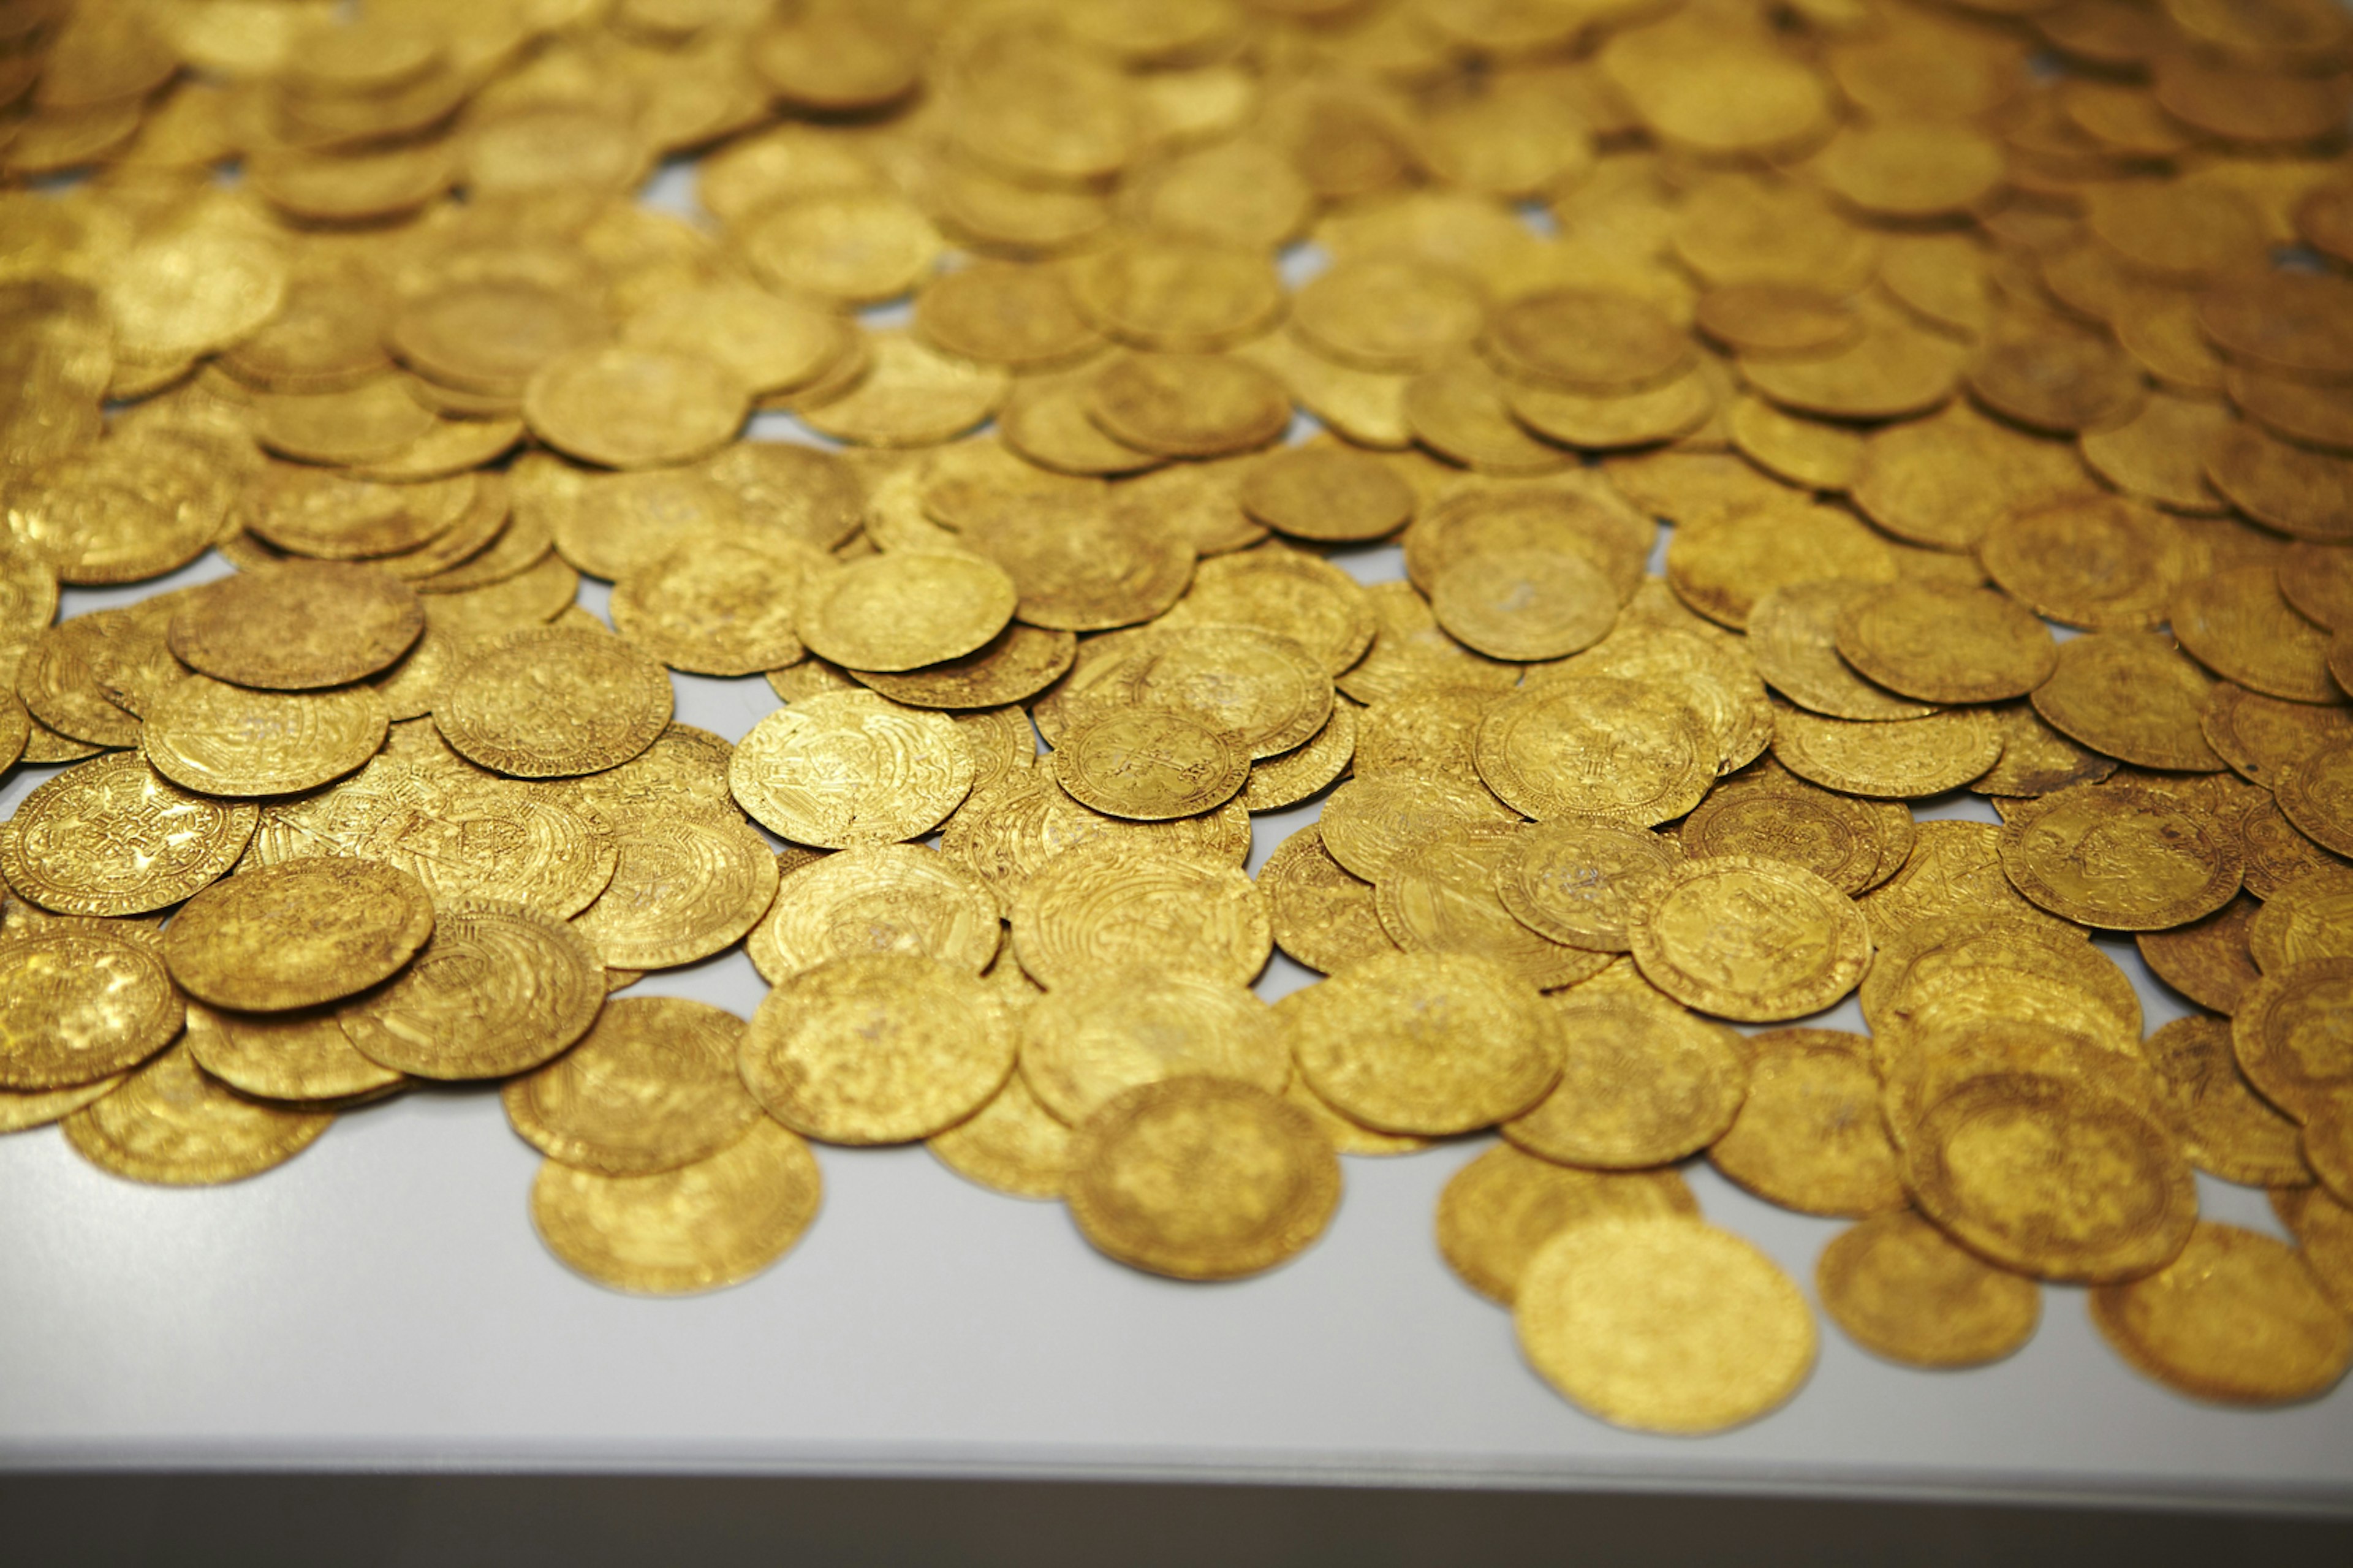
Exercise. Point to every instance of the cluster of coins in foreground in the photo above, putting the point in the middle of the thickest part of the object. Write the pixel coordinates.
(1918, 349)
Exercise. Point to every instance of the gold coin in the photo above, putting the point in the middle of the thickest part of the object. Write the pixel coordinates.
(1587, 339)
(2237, 624)
(1427, 1043)
(21, 1111)
(1289, 777)
(1808, 1136)
(878, 1049)
(1641, 1084)
(1152, 764)
(298, 626)
(713, 1223)
(1946, 644)
(1012, 1145)
(905, 610)
(1393, 313)
(1263, 687)
(1007, 834)
(2287, 1035)
(1286, 592)
(2051, 1178)
(2098, 562)
(1320, 915)
(1187, 405)
(1201, 1178)
(112, 836)
(2134, 696)
(1904, 759)
(2226, 1128)
(217, 739)
(855, 248)
(1370, 823)
(81, 1000)
(2310, 917)
(499, 990)
(2208, 960)
(1743, 937)
(1020, 317)
(172, 1125)
(1846, 842)
(716, 604)
(906, 396)
(317, 512)
(1523, 605)
(682, 889)
(299, 1055)
(2036, 759)
(1014, 666)
(1951, 951)
(1901, 1289)
(1501, 1207)
(650, 1086)
(1721, 567)
(2328, 1144)
(553, 702)
(1579, 881)
(1664, 1323)
(1441, 896)
(1596, 746)
(1086, 1042)
(1109, 906)
(849, 768)
(2235, 1318)
(2120, 857)
(891, 897)
(634, 408)
(295, 935)
(2259, 735)
(1954, 866)
(1326, 493)
(2316, 793)
(1181, 295)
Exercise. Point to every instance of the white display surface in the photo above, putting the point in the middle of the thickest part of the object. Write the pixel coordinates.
(382, 1301)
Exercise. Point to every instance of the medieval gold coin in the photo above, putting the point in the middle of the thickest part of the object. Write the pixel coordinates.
(650, 1086)
(2235, 1318)
(1748, 938)
(498, 990)
(1901, 1290)
(297, 934)
(171, 1124)
(1425, 1043)
(1503, 1207)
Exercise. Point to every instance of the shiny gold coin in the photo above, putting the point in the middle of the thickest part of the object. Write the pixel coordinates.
(1808, 1136)
(2316, 793)
(1201, 1178)
(1085, 1043)
(682, 889)
(2287, 1037)
(2259, 735)
(2235, 1318)
(223, 739)
(855, 248)
(2051, 1177)
(1187, 405)
(83, 1000)
(1096, 907)
(299, 1055)
(1905, 759)
(716, 604)
(553, 702)
(499, 990)
(1012, 1145)
(1288, 778)
(295, 935)
(1287, 592)
(634, 408)
(1370, 823)
(2119, 857)
(1946, 644)
(1579, 881)
(1321, 916)
(1426, 1042)
(1523, 605)
(2226, 1128)
(652, 1087)
(2133, 696)
(893, 897)
(299, 626)
(1901, 1289)
(2208, 960)
(878, 1049)
(2098, 562)
(1441, 896)
(906, 396)
(1500, 1209)
(112, 836)
(1642, 1084)
(2237, 624)
(849, 768)
(172, 1125)
(905, 610)
(1664, 1323)
(1327, 493)
(1152, 764)
(1014, 666)
(1851, 844)
(1748, 938)
(713, 1223)
(1596, 746)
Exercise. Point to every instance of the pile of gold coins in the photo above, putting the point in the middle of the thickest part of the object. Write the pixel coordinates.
(1926, 327)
